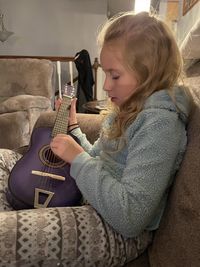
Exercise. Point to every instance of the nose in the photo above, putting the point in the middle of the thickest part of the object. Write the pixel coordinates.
(107, 85)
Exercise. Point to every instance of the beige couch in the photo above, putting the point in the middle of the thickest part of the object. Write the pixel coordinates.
(26, 89)
(176, 242)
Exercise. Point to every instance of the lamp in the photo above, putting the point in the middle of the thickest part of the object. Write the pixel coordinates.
(4, 34)
(142, 5)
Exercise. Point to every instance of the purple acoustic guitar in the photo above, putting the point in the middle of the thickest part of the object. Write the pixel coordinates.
(41, 179)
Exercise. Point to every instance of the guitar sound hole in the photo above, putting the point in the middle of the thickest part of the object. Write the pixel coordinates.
(49, 158)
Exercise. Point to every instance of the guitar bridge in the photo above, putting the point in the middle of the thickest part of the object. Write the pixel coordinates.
(51, 175)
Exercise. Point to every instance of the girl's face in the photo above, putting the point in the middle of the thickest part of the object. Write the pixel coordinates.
(120, 82)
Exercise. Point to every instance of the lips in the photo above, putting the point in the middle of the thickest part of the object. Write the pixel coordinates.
(113, 99)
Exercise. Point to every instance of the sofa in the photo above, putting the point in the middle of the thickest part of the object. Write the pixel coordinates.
(26, 90)
(175, 243)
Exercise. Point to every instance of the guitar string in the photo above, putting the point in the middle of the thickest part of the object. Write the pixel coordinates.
(50, 154)
(51, 157)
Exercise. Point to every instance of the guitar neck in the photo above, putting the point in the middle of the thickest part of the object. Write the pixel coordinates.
(62, 117)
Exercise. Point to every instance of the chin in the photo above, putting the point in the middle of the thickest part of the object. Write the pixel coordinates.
(115, 101)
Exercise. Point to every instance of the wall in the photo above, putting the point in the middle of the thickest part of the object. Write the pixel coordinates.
(116, 6)
(53, 28)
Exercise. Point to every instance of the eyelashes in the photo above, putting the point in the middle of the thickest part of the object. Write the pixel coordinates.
(115, 77)
(111, 75)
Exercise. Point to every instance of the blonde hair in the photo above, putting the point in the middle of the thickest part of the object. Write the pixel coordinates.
(149, 50)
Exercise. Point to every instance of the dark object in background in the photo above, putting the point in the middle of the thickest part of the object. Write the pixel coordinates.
(85, 79)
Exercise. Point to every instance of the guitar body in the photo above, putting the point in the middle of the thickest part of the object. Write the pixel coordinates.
(41, 179)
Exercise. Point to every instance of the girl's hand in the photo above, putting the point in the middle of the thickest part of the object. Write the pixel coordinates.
(65, 147)
(72, 113)
(58, 103)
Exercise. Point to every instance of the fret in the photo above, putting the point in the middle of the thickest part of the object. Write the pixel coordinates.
(61, 122)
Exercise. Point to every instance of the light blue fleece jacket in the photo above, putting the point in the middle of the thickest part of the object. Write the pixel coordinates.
(129, 188)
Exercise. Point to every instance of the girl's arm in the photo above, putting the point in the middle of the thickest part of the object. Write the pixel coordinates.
(129, 203)
(74, 129)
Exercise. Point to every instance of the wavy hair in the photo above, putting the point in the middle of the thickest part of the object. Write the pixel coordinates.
(150, 50)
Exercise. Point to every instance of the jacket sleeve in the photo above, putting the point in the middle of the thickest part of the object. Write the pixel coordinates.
(92, 149)
(131, 203)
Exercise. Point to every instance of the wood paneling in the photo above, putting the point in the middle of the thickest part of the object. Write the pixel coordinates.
(188, 4)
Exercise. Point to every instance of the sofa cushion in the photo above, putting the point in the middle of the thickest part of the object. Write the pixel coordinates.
(176, 242)
(25, 102)
(47, 119)
(25, 76)
(3, 98)
(141, 261)
(15, 129)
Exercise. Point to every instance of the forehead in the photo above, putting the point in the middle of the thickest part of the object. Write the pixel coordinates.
(111, 56)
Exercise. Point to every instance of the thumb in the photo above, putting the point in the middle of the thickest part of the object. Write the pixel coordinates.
(73, 103)
(58, 103)
(72, 114)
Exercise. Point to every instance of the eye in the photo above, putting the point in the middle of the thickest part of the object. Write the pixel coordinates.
(116, 77)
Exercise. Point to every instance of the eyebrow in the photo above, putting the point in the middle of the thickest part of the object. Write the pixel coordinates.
(111, 70)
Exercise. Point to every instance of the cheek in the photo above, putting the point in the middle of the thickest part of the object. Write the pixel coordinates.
(127, 90)
(132, 86)
(129, 83)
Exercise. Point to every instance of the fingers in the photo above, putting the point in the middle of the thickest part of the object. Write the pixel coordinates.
(65, 147)
(61, 140)
(73, 104)
(72, 113)
(58, 103)
(59, 144)
(62, 135)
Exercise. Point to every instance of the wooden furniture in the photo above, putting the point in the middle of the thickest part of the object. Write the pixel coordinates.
(188, 4)
(95, 66)
(94, 106)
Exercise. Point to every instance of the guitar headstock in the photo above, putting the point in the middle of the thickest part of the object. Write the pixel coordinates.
(69, 91)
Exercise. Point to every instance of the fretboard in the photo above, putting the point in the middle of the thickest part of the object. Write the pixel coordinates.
(61, 122)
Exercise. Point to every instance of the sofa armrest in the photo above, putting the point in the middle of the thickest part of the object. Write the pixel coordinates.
(89, 123)
(24, 102)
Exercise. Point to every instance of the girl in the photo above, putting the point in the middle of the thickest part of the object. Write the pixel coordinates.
(126, 175)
